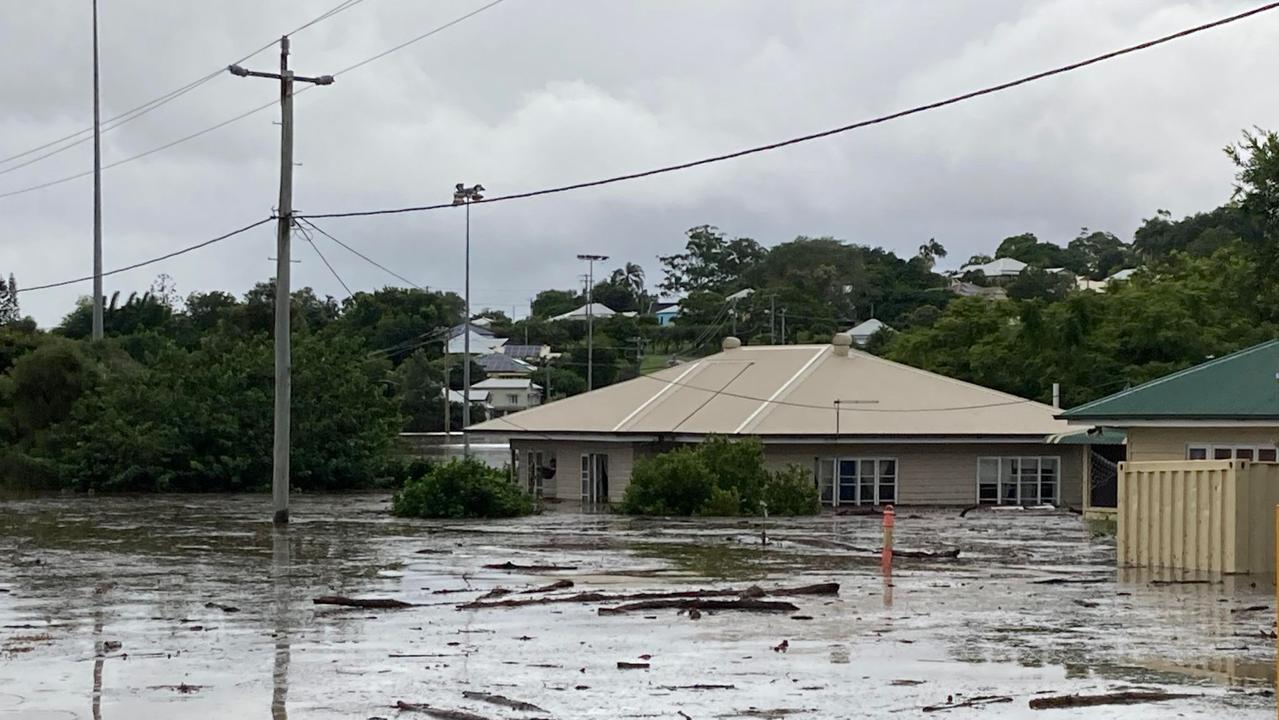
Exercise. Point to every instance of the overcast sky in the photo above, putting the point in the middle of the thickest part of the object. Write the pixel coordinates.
(534, 93)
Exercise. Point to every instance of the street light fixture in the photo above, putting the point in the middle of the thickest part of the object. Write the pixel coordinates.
(463, 195)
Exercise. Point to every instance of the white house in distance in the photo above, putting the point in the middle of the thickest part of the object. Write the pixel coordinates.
(509, 394)
(598, 310)
(997, 269)
(483, 340)
(862, 331)
(869, 431)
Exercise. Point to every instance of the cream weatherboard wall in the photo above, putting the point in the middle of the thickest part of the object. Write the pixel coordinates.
(927, 474)
(567, 483)
(1169, 443)
(942, 473)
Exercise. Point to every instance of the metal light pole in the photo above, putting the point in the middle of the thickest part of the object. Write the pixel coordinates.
(590, 317)
(463, 195)
(97, 189)
(283, 349)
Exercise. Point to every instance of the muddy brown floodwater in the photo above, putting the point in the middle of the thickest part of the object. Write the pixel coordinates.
(193, 607)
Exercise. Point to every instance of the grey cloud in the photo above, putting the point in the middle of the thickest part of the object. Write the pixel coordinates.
(534, 93)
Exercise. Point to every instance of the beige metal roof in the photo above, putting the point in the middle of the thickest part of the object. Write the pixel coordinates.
(789, 390)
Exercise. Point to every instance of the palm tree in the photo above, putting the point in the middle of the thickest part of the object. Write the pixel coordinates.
(633, 276)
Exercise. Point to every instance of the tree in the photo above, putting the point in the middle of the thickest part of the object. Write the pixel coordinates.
(931, 251)
(1035, 283)
(550, 303)
(44, 384)
(200, 420)
(9, 310)
(1098, 255)
(710, 263)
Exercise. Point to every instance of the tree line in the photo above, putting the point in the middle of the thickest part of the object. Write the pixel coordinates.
(178, 395)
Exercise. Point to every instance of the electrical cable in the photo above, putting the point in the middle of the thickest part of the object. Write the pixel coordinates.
(827, 133)
(136, 112)
(154, 260)
(349, 295)
(361, 255)
(241, 116)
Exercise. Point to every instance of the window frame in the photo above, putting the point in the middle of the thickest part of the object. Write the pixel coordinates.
(828, 470)
(1210, 450)
(1017, 467)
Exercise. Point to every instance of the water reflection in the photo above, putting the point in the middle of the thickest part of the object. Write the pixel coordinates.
(99, 657)
(281, 556)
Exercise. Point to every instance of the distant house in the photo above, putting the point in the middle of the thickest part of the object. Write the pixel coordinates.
(526, 352)
(478, 397)
(499, 364)
(997, 270)
(1084, 283)
(967, 289)
(482, 343)
(508, 395)
(599, 310)
(666, 312)
(740, 295)
(476, 328)
(862, 331)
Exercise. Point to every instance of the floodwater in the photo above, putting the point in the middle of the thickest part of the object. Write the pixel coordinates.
(193, 607)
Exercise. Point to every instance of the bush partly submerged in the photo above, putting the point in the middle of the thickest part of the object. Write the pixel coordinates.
(718, 477)
(462, 489)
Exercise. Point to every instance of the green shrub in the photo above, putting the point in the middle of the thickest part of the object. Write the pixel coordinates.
(724, 502)
(737, 464)
(462, 489)
(673, 483)
(792, 492)
(719, 477)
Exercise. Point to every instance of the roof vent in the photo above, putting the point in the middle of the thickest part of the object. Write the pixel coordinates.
(731, 343)
(840, 344)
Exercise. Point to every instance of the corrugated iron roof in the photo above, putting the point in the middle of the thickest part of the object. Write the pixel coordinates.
(1240, 386)
(501, 363)
(789, 390)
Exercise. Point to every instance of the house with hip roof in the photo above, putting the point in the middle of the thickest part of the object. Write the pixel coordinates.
(869, 431)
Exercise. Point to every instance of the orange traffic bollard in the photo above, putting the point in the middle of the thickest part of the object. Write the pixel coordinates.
(890, 519)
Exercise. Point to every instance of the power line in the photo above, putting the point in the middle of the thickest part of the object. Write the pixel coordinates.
(243, 115)
(137, 112)
(325, 260)
(423, 36)
(361, 255)
(152, 261)
(833, 131)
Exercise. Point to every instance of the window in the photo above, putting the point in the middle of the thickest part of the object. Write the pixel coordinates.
(857, 481)
(1018, 480)
(512, 399)
(1227, 451)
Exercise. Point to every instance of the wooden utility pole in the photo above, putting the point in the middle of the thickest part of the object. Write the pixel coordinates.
(97, 188)
(283, 303)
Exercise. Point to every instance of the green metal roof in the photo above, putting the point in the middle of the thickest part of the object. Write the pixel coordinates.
(1240, 386)
(1090, 436)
